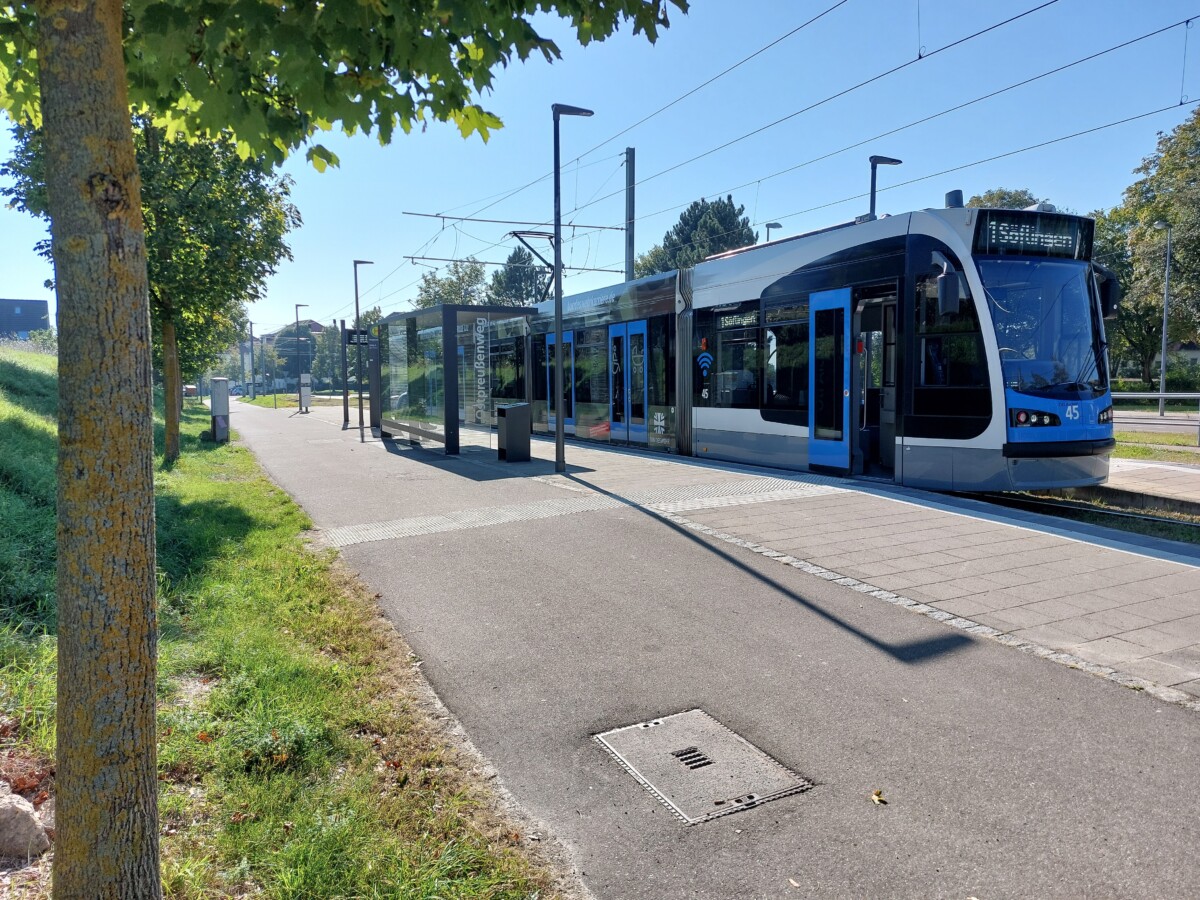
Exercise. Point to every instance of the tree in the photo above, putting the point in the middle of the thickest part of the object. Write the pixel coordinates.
(519, 283)
(653, 260)
(462, 284)
(703, 229)
(1003, 198)
(294, 348)
(274, 73)
(215, 226)
(327, 364)
(1169, 191)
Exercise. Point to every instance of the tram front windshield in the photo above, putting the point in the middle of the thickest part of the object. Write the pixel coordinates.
(1047, 327)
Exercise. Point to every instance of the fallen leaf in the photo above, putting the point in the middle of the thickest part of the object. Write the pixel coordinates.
(877, 798)
(204, 737)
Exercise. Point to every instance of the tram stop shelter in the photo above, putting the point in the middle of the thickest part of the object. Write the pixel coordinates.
(445, 369)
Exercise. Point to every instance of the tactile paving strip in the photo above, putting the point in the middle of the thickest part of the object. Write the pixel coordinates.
(667, 500)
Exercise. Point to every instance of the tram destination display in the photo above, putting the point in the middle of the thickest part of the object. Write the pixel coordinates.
(1028, 233)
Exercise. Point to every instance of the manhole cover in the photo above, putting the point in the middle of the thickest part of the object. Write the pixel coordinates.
(698, 767)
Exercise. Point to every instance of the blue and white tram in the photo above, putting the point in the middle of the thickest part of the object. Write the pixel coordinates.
(952, 349)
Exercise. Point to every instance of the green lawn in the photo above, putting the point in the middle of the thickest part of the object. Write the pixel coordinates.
(296, 757)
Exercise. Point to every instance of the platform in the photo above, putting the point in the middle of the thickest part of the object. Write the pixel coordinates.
(1121, 606)
(1152, 486)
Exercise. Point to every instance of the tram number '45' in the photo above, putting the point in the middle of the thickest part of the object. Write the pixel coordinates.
(1072, 411)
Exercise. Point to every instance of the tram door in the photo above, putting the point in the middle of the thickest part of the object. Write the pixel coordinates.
(568, 397)
(627, 381)
(829, 421)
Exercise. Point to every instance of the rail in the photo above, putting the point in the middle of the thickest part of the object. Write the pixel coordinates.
(1162, 396)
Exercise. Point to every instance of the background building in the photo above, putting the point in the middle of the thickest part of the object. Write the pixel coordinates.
(19, 317)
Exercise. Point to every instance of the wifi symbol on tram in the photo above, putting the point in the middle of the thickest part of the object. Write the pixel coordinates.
(705, 360)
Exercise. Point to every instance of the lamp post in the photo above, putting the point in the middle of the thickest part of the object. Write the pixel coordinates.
(769, 226)
(1162, 370)
(299, 365)
(362, 438)
(560, 461)
(877, 161)
(253, 393)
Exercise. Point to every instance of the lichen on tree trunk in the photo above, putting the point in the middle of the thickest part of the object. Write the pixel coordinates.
(107, 836)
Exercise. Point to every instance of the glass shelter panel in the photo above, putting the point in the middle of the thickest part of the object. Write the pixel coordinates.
(446, 368)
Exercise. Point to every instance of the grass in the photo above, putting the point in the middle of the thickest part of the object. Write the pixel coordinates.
(296, 757)
(1166, 439)
(1157, 446)
(288, 401)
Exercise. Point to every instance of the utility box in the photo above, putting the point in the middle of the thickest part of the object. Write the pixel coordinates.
(219, 407)
(305, 391)
(513, 424)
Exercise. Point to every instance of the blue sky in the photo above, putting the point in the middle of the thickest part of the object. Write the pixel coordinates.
(358, 210)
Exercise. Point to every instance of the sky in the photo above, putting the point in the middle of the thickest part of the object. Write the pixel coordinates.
(735, 98)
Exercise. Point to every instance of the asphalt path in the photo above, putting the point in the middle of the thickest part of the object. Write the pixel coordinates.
(1006, 775)
(1172, 423)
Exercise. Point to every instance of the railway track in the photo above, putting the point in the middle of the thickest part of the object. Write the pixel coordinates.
(1186, 528)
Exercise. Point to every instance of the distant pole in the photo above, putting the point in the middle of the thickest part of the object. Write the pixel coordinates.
(1162, 369)
(362, 437)
(251, 327)
(299, 359)
(630, 181)
(345, 381)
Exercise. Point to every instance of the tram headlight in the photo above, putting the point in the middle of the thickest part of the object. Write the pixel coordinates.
(1032, 418)
(1105, 416)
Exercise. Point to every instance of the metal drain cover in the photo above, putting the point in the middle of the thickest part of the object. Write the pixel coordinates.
(698, 767)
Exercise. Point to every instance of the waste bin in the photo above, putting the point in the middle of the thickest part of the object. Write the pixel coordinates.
(513, 425)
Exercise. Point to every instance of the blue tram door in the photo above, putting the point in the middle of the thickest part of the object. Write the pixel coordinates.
(829, 377)
(568, 398)
(627, 381)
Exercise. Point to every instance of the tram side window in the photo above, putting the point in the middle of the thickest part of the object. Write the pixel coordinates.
(787, 366)
(704, 369)
(661, 375)
(541, 368)
(508, 369)
(739, 369)
(591, 366)
(950, 346)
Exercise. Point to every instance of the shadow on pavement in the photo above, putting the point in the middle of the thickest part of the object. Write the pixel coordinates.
(476, 463)
(909, 652)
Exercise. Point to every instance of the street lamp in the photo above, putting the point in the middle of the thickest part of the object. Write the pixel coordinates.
(771, 225)
(362, 438)
(299, 365)
(1162, 370)
(560, 461)
(877, 161)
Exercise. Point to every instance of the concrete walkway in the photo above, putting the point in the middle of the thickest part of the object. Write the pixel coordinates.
(864, 636)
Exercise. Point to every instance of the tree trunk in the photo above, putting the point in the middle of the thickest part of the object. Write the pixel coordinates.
(172, 390)
(107, 838)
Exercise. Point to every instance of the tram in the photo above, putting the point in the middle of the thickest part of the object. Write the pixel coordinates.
(951, 349)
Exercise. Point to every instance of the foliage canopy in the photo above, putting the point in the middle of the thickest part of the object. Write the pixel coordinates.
(276, 74)
(703, 229)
